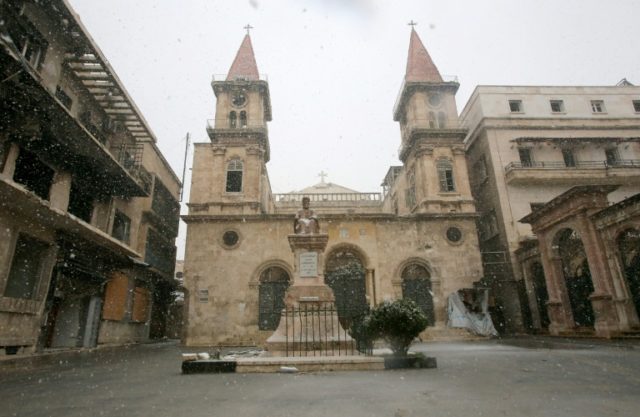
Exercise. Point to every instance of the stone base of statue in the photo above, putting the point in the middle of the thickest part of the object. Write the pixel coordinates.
(309, 323)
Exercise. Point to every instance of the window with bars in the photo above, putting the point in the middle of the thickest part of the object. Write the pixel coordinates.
(445, 176)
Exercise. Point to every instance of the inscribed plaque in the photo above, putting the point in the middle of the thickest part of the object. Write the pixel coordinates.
(309, 264)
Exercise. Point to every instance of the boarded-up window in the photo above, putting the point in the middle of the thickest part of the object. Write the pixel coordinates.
(140, 305)
(115, 297)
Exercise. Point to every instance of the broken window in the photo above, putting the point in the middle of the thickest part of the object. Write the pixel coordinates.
(63, 97)
(26, 266)
(597, 106)
(569, 158)
(34, 174)
(515, 106)
(80, 202)
(445, 176)
(612, 156)
(121, 226)
(557, 106)
(525, 157)
(234, 176)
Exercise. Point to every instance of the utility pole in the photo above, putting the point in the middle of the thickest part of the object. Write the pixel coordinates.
(184, 166)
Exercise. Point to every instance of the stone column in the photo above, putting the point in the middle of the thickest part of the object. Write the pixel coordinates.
(558, 307)
(60, 191)
(607, 321)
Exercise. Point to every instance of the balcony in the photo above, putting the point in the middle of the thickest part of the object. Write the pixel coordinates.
(588, 172)
(294, 200)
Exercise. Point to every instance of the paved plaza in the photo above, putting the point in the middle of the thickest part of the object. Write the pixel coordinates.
(513, 377)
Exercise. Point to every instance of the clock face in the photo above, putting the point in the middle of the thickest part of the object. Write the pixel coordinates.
(239, 99)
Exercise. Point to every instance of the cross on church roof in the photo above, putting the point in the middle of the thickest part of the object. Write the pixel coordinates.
(412, 24)
(322, 174)
(248, 27)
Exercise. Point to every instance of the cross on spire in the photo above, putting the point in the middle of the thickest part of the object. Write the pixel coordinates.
(322, 174)
(248, 27)
(412, 24)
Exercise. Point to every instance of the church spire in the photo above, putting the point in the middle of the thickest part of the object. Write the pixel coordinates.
(420, 67)
(244, 65)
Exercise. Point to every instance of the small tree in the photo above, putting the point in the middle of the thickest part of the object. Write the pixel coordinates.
(398, 322)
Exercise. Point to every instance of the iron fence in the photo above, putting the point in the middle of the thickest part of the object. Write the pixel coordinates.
(321, 330)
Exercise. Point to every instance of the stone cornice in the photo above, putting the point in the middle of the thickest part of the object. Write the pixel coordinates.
(230, 218)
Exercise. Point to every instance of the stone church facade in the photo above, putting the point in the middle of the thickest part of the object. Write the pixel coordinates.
(408, 241)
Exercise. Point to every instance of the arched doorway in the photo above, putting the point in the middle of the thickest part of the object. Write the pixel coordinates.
(577, 276)
(416, 286)
(540, 292)
(345, 275)
(629, 249)
(274, 282)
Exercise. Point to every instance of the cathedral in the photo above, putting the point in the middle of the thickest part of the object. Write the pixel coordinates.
(406, 242)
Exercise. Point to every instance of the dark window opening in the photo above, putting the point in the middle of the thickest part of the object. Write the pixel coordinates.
(33, 174)
(159, 253)
(442, 120)
(515, 106)
(445, 176)
(165, 205)
(416, 286)
(569, 158)
(611, 156)
(233, 120)
(243, 119)
(230, 238)
(525, 157)
(63, 97)
(234, 176)
(25, 267)
(557, 106)
(121, 227)
(4, 153)
(636, 106)
(80, 202)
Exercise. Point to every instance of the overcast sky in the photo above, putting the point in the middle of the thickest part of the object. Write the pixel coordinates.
(335, 66)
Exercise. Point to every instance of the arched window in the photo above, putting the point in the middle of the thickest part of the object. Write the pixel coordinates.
(243, 119)
(442, 120)
(345, 275)
(432, 120)
(233, 120)
(445, 176)
(274, 282)
(416, 286)
(234, 176)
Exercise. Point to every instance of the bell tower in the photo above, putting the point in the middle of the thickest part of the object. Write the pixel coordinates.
(229, 174)
(431, 149)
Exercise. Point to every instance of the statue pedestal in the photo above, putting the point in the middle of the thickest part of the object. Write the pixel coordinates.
(309, 321)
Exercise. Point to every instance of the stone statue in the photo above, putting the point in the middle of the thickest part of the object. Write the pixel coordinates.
(306, 222)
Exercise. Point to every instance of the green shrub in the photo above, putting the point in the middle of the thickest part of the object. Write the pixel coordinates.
(398, 322)
(360, 330)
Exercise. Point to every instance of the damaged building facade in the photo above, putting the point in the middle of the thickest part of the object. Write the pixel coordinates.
(452, 217)
(89, 207)
(406, 242)
(527, 147)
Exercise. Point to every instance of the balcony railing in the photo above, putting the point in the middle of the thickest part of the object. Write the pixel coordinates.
(329, 197)
(620, 163)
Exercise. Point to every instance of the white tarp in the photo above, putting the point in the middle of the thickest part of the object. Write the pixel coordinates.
(461, 317)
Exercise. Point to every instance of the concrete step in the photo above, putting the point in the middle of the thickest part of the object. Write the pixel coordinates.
(310, 364)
